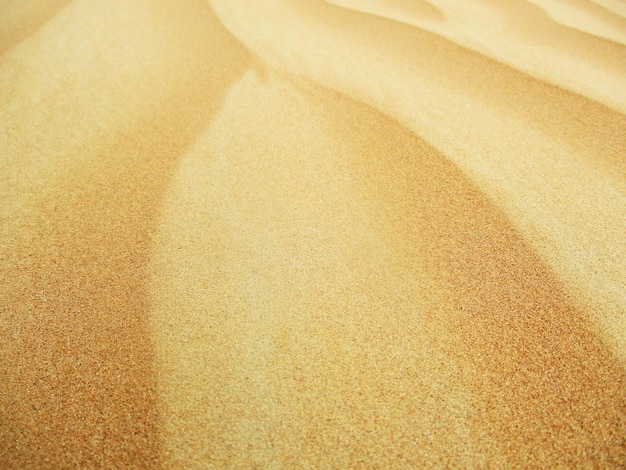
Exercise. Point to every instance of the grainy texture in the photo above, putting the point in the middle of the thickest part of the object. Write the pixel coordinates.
(307, 234)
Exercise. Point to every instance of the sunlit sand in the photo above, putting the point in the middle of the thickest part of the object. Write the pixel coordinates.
(308, 234)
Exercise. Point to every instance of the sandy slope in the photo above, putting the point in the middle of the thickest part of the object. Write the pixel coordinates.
(20, 18)
(496, 124)
(312, 234)
(99, 104)
(522, 35)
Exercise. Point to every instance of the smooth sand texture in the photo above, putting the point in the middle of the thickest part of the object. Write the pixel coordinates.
(306, 234)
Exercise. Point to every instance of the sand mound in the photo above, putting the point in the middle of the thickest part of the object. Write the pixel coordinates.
(341, 234)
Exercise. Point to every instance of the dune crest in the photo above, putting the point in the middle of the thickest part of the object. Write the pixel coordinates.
(586, 16)
(616, 6)
(398, 10)
(333, 333)
(19, 19)
(312, 234)
(526, 170)
(521, 35)
(96, 108)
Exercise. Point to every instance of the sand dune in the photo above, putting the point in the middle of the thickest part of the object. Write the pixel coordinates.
(528, 40)
(436, 102)
(308, 234)
(614, 6)
(588, 17)
(20, 18)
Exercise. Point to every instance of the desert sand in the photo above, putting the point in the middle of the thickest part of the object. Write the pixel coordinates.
(312, 234)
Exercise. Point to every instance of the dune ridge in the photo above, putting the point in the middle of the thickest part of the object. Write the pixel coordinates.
(587, 16)
(18, 19)
(520, 186)
(615, 6)
(521, 29)
(312, 291)
(312, 234)
(99, 104)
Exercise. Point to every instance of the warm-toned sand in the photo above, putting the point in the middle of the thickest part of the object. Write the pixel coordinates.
(307, 234)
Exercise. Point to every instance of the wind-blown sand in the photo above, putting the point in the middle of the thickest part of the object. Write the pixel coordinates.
(307, 234)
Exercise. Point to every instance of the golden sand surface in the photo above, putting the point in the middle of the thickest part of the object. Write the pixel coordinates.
(312, 234)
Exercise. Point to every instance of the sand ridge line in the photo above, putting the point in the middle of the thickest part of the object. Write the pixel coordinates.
(398, 10)
(281, 285)
(615, 6)
(530, 174)
(202, 268)
(19, 20)
(324, 288)
(587, 16)
(78, 364)
(568, 58)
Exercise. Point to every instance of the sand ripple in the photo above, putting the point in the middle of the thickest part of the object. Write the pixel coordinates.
(384, 233)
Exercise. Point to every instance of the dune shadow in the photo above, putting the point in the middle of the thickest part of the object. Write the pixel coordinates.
(548, 387)
(79, 386)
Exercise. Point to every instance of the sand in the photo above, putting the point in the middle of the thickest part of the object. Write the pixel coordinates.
(307, 234)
